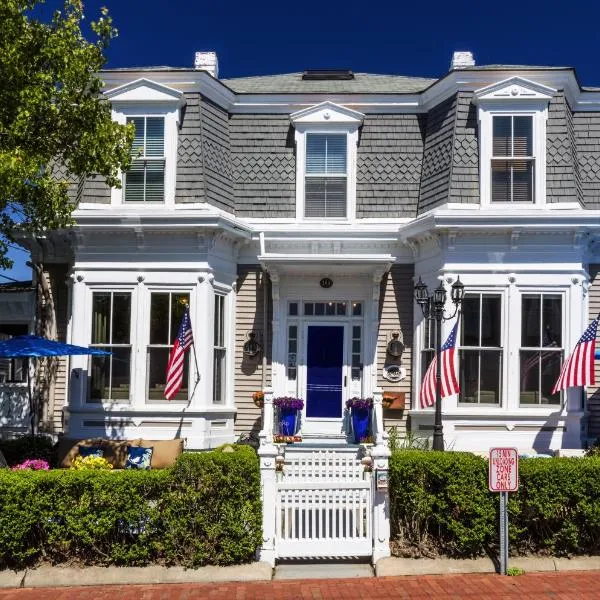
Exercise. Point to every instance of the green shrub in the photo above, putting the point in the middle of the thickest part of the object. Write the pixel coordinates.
(19, 449)
(440, 504)
(205, 510)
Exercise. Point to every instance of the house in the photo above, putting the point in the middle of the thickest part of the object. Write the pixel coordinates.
(294, 213)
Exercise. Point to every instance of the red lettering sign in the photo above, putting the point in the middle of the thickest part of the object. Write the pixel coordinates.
(504, 470)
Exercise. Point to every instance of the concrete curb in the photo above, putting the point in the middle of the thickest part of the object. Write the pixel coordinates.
(393, 567)
(11, 579)
(68, 576)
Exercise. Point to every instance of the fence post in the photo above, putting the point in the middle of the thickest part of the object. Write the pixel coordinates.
(267, 452)
(380, 454)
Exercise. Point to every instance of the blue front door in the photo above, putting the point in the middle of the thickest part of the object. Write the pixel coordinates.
(324, 363)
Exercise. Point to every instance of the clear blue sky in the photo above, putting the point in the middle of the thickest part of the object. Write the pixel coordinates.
(407, 38)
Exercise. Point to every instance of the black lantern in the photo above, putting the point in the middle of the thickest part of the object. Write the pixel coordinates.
(458, 291)
(421, 293)
(439, 296)
(251, 347)
(395, 347)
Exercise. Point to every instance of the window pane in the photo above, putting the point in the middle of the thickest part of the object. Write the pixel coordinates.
(522, 180)
(530, 321)
(101, 318)
(530, 377)
(501, 178)
(316, 149)
(341, 308)
(121, 369)
(550, 364)
(159, 319)
(502, 135)
(219, 372)
(552, 321)
(319, 309)
(158, 359)
(491, 368)
(178, 304)
(336, 153)
(325, 197)
(134, 182)
(308, 309)
(522, 136)
(219, 325)
(100, 378)
(330, 308)
(293, 309)
(469, 375)
(470, 321)
(356, 309)
(155, 135)
(137, 149)
(490, 320)
(155, 181)
(121, 318)
(325, 153)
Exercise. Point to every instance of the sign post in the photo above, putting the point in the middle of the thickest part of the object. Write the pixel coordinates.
(503, 478)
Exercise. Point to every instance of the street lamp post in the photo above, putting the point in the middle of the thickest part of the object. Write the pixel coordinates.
(432, 306)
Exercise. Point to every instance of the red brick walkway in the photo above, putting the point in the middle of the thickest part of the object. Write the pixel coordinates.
(558, 586)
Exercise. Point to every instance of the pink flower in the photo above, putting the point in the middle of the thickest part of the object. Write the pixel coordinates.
(32, 464)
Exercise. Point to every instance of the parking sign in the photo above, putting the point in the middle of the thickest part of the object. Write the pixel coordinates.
(504, 470)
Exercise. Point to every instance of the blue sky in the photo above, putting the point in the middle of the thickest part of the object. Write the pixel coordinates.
(406, 38)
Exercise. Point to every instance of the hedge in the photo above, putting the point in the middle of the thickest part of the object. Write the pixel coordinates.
(205, 510)
(440, 504)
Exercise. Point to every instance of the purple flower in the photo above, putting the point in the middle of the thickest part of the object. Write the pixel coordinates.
(360, 403)
(289, 402)
(32, 464)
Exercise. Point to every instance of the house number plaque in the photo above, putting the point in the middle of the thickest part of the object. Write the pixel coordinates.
(326, 282)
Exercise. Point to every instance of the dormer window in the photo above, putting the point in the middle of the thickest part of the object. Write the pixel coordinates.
(326, 182)
(145, 180)
(326, 142)
(512, 159)
(512, 142)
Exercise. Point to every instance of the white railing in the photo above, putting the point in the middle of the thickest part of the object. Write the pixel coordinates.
(323, 465)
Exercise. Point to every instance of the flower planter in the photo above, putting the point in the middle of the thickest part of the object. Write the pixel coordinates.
(360, 423)
(287, 420)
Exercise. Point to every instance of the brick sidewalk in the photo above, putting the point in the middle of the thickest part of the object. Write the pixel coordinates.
(573, 585)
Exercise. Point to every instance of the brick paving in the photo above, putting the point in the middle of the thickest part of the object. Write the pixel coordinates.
(572, 585)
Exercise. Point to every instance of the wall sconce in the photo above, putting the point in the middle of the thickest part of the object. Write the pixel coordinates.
(395, 346)
(251, 346)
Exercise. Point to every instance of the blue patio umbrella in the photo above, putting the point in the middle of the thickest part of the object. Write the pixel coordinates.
(33, 346)
(597, 354)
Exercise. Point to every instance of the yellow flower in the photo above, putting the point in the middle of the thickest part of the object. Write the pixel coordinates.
(97, 463)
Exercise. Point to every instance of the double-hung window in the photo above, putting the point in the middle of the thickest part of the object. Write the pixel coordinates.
(145, 180)
(512, 159)
(480, 352)
(541, 348)
(219, 351)
(13, 370)
(111, 324)
(326, 176)
(166, 312)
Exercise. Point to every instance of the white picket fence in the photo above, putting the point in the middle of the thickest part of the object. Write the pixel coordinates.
(324, 506)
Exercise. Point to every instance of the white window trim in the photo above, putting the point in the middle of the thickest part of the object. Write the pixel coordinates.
(513, 97)
(145, 98)
(327, 118)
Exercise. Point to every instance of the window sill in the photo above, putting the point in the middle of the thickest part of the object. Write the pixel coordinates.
(157, 408)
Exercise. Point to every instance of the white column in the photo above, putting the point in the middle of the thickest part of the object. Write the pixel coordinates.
(203, 324)
(268, 453)
(80, 336)
(381, 506)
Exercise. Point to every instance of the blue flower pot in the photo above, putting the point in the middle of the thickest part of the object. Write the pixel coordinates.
(287, 421)
(360, 423)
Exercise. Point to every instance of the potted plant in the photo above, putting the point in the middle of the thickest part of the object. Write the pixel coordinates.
(360, 410)
(259, 399)
(288, 413)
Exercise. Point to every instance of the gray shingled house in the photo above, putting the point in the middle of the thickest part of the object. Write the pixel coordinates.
(295, 213)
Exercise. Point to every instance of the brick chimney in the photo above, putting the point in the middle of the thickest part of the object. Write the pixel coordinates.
(207, 61)
(462, 60)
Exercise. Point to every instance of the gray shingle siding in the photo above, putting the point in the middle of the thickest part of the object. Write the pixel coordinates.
(389, 159)
(437, 155)
(93, 190)
(587, 132)
(189, 186)
(561, 165)
(216, 156)
(464, 176)
(263, 166)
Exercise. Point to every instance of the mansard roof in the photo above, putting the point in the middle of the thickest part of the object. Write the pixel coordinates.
(363, 83)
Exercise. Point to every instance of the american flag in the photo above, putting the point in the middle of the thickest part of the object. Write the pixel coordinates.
(182, 343)
(578, 369)
(449, 382)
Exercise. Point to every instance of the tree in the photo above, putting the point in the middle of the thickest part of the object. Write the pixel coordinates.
(55, 127)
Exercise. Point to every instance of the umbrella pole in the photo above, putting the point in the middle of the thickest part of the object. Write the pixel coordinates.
(30, 393)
